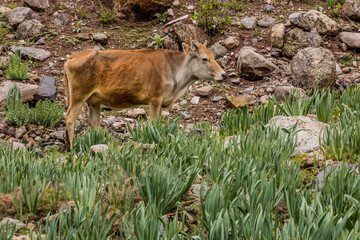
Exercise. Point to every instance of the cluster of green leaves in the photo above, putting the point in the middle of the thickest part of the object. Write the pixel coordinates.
(157, 42)
(16, 69)
(212, 16)
(162, 17)
(107, 16)
(45, 113)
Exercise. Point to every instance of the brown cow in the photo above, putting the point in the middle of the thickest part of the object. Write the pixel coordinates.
(122, 79)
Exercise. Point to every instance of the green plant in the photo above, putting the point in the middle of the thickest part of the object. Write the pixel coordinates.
(12, 5)
(347, 60)
(15, 69)
(212, 16)
(325, 105)
(7, 232)
(296, 104)
(47, 113)
(91, 137)
(50, 34)
(83, 13)
(257, 32)
(236, 121)
(17, 113)
(73, 41)
(162, 17)
(32, 192)
(157, 43)
(107, 16)
(78, 27)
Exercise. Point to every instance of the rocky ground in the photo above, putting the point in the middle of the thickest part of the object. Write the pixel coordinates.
(264, 50)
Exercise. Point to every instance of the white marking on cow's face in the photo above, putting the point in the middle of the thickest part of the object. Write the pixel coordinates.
(203, 65)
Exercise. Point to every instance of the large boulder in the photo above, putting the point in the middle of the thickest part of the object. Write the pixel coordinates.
(352, 40)
(298, 39)
(308, 137)
(143, 9)
(351, 9)
(38, 5)
(252, 65)
(18, 15)
(171, 44)
(218, 50)
(187, 32)
(314, 19)
(30, 29)
(314, 68)
(277, 35)
(27, 91)
(31, 52)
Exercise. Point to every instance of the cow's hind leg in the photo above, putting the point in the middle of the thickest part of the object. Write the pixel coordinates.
(155, 108)
(94, 114)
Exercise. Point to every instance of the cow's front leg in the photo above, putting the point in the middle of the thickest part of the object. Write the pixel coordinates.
(155, 108)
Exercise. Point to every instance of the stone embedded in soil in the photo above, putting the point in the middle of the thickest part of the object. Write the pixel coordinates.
(59, 135)
(185, 115)
(134, 113)
(183, 102)
(100, 37)
(99, 148)
(37, 5)
(266, 22)
(231, 42)
(47, 88)
(17, 145)
(252, 65)
(195, 100)
(61, 20)
(298, 39)
(282, 92)
(314, 68)
(352, 40)
(204, 91)
(12, 222)
(18, 15)
(218, 50)
(351, 8)
(277, 35)
(5, 10)
(19, 132)
(249, 22)
(30, 29)
(217, 98)
(83, 36)
(171, 44)
(314, 19)
(240, 101)
(27, 91)
(31, 52)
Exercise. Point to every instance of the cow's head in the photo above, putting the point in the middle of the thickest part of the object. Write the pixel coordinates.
(203, 64)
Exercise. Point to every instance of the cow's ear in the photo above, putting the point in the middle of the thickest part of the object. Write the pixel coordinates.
(186, 48)
(195, 45)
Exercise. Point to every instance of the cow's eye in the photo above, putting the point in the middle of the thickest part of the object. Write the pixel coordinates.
(205, 59)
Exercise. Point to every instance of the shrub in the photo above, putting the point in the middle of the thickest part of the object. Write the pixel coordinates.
(162, 17)
(325, 105)
(17, 113)
(212, 16)
(91, 137)
(236, 121)
(296, 105)
(157, 43)
(47, 114)
(107, 16)
(15, 69)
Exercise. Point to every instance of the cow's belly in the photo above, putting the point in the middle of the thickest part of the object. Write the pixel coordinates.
(118, 100)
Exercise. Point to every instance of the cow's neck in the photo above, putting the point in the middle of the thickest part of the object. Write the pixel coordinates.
(183, 77)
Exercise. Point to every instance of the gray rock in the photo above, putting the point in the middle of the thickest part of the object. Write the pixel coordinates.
(38, 5)
(195, 100)
(252, 65)
(298, 39)
(235, 80)
(17, 145)
(18, 15)
(218, 50)
(217, 99)
(266, 22)
(30, 29)
(185, 115)
(314, 68)
(338, 69)
(277, 35)
(99, 148)
(100, 37)
(308, 137)
(134, 113)
(351, 8)
(183, 103)
(171, 44)
(19, 132)
(195, 189)
(240, 101)
(59, 135)
(249, 22)
(352, 40)
(319, 179)
(204, 91)
(283, 92)
(269, 8)
(61, 20)
(314, 19)
(12, 222)
(47, 88)
(231, 42)
(41, 41)
(31, 52)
